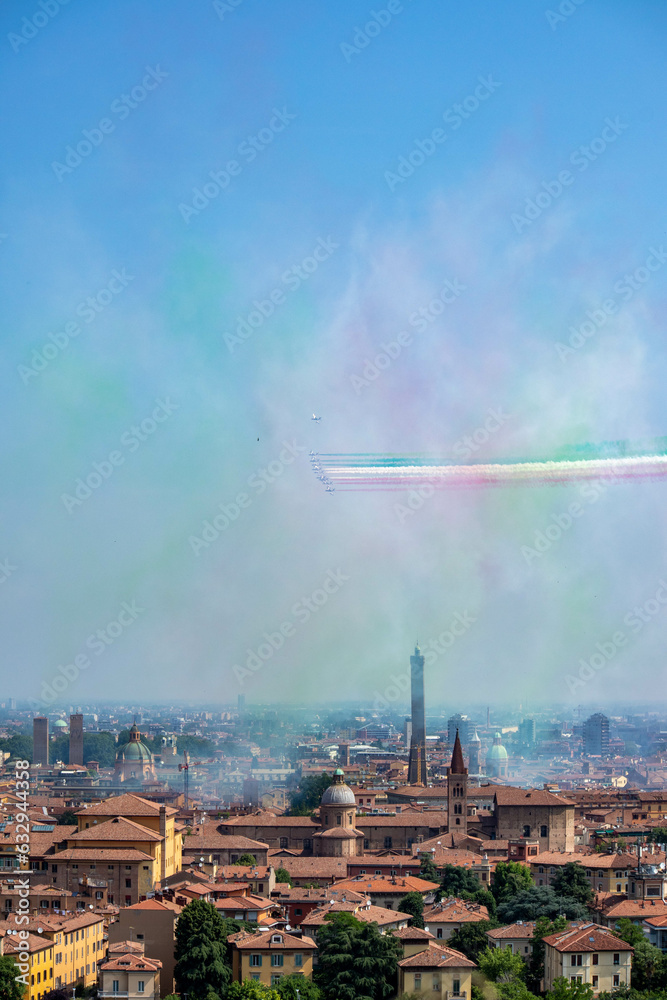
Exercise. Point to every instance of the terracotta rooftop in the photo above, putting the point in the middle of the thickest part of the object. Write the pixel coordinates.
(437, 957)
(125, 805)
(590, 937)
(101, 854)
(246, 940)
(118, 828)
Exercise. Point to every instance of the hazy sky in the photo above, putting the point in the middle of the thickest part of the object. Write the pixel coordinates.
(213, 216)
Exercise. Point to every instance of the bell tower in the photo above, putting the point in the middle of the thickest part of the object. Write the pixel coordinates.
(457, 791)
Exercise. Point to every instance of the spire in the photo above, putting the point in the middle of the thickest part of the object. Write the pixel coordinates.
(457, 766)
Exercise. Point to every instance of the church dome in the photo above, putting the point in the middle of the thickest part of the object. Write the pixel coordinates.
(134, 749)
(338, 793)
(497, 753)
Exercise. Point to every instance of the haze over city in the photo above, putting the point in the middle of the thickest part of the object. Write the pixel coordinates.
(219, 222)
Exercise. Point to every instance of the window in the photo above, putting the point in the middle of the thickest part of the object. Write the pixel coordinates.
(338, 819)
(275, 979)
(438, 932)
(575, 979)
(418, 981)
(128, 883)
(617, 980)
(110, 868)
(436, 982)
(596, 959)
(307, 844)
(256, 961)
(276, 961)
(456, 986)
(575, 959)
(298, 911)
(367, 844)
(298, 960)
(617, 958)
(387, 842)
(255, 976)
(618, 887)
(54, 868)
(75, 868)
(283, 841)
(128, 901)
(115, 986)
(541, 869)
(140, 986)
(526, 831)
(378, 871)
(595, 981)
(543, 831)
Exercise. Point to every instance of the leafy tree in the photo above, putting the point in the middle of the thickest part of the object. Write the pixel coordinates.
(56, 995)
(356, 960)
(428, 870)
(413, 903)
(308, 795)
(510, 877)
(10, 988)
(202, 953)
(500, 965)
(297, 988)
(461, 882)
(629, 932)
(571, 880)
(648, 967)
(562, 989)
(19, 746)
(282, 875)
(471, 938)
(251, 990)
(247, 859)
(540, 901)
(68, 818)
(658, 835)
(543, 928)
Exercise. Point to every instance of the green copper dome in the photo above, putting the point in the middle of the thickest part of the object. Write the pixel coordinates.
(134, 749)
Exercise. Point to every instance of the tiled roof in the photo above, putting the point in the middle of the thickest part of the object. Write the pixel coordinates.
(368, 914)
(212, 840)
(400, 884)
(412, 934)
(247, 941)
(34, 942)
(591, 937)
(244, 903)
(125, 805)
(513, 931)
(284, 894)
(129, 962)
(437, 957)
(597, 861)
(264, 819)
(455, 911)
(117, 829)
(101, 854)
(507, 795)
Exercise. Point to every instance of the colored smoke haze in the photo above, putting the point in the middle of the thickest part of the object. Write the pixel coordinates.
(615, 460)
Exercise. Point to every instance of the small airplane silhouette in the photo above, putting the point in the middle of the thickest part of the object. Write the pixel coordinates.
(315, 418)
(313, 453)
(330, 489)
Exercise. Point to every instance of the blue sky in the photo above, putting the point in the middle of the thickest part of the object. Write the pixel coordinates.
(332, 126)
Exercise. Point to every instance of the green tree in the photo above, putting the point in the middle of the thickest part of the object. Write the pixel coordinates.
(500, 965)
(68, 818)
(629, 932)
(282, 875)
(202, 953)
(10, 988)
(543, 928)
(297, 988)
(308, 795)
(510, 877)
(356, 960)
(19, 746)
(540, 901)
(413, 903)
(464, 884)
(251, 990)
(428, 870)
(572, 881)
(561, 989)
(658, 835)
(471, 938)
(648, 967)
(247, 859)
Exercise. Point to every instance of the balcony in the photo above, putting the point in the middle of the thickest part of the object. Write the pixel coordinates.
(448, 995)
(115, 993)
